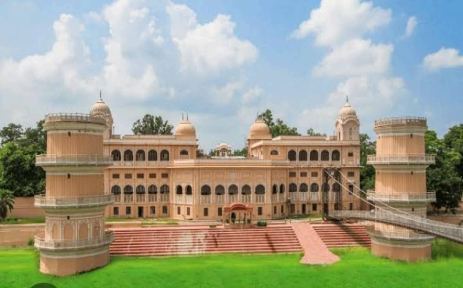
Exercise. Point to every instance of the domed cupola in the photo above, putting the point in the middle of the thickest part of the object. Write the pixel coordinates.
(348, 124)
(100, 108)
(185, 129)
(347, 110)
(259, 130)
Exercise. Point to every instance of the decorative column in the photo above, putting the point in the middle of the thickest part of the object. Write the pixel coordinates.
(400, 163)
(75, 239)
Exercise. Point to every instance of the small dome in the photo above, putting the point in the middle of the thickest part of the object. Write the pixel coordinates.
(185, 130)
(347, 110)
(259, 130)
(100, 108)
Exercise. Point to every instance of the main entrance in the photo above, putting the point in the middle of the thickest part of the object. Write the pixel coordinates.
(238, 215)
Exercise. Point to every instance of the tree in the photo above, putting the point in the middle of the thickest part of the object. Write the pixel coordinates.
(278, 127)
(241, 152)
(311, 132)
(11, 133)
(152, 125)
(6, 203)
(367, 172)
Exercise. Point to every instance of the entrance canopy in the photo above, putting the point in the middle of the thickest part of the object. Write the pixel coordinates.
(238, 206)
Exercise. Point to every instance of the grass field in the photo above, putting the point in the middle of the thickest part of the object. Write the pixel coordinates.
(357, 268)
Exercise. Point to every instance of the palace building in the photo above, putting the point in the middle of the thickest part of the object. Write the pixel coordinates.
(156, 176)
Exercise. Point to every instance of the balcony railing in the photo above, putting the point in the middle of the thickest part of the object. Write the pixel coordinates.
(205, 199)
(41, 243)
(51, 202)
(314, 196)
(73, 117)
(260, 198)
(232, 198)
(73, 160)
(406, 120)
(246, 198)
(424, 159)
(219, 199)
(402, 197)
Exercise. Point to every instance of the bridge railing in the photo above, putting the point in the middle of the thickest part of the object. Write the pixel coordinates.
(449, 231)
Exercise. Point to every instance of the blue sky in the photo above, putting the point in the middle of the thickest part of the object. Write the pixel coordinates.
(224, 61)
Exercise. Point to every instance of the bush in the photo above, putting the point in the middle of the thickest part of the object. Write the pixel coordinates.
(212, 226)
(30, 242)
(262, 223)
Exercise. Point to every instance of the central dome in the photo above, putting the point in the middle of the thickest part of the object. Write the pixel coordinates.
(100, 108)
(259, 130)
(347, 110)
(185, 130)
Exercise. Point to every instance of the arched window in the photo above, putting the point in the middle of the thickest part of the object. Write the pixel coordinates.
(152, 189)
(274, 189)
(206, 190)
(314, 187)
(292, 187)
(302, 155)
(303, 188)
(164, 155)
(140, 189)
(140, 156)
(219, 190)
(246, 190)
(179, 190)
(336, 187)
(325, 187)
(282, 188)
(274, 152)
(165, 189)
(128, 189)
(152, 155)
(116, 155)
(314, 155)
(128, 155)
(292, 155)
(183, 153)
(188, 190)
(325, 156)
(116, 190)
(335, 156)
(233, 189)
(260, 189)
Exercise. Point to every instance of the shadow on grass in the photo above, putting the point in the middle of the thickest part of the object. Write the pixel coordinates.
(446, 249)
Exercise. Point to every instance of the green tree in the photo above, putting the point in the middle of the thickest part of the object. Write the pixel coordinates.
(11, 133)
(6, 203)
(277, 127)
(367, 172)
(241, 152)
(152, 125)
(311, 132)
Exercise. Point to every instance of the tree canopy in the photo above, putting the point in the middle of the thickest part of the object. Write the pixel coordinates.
(18, 172)
(367, 172)
(152, 125)
(311, 132)
(277, 127)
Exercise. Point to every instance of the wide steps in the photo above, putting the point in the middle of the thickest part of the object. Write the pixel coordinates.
(334, 235)
(187, 241)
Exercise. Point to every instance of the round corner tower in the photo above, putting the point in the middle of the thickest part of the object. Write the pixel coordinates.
(75, 239)
(400, 183)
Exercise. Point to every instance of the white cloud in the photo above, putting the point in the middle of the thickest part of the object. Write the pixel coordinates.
(223, 95)
(356, 57)
(337, 21)
(252, 95)
(411, 25)
(211, 47)
(444, 58)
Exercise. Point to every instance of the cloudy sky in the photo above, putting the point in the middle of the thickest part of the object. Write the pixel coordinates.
(222, 62)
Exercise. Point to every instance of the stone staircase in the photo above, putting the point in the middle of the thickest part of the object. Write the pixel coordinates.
(165, 241)
(343, 235)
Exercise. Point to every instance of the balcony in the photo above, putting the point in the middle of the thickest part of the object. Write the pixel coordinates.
(260, 199)
(314, 196)
(205, 199)
(421, 159)
(128, 198)
(43, 201)
(43, 244)
(402, 197)
(73, 160)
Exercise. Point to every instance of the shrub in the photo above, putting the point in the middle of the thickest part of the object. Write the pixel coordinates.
(262, 223)
(212, 226)
(30, 242)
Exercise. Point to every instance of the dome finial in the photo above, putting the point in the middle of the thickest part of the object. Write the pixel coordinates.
(187, 117)
(347, 98)
(101, 98)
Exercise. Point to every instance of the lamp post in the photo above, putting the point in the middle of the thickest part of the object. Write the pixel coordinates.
(288, 201)
(329, 172)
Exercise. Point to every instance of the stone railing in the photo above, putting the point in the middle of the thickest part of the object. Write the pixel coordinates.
(73, 160)
(405, 120)
(73, 117)
(44, 201)
(402, 197)
(436, 228)
(41, 243)
(424, 159)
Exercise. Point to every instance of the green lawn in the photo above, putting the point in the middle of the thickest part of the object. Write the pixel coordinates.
(356, 269)
(23, 221)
